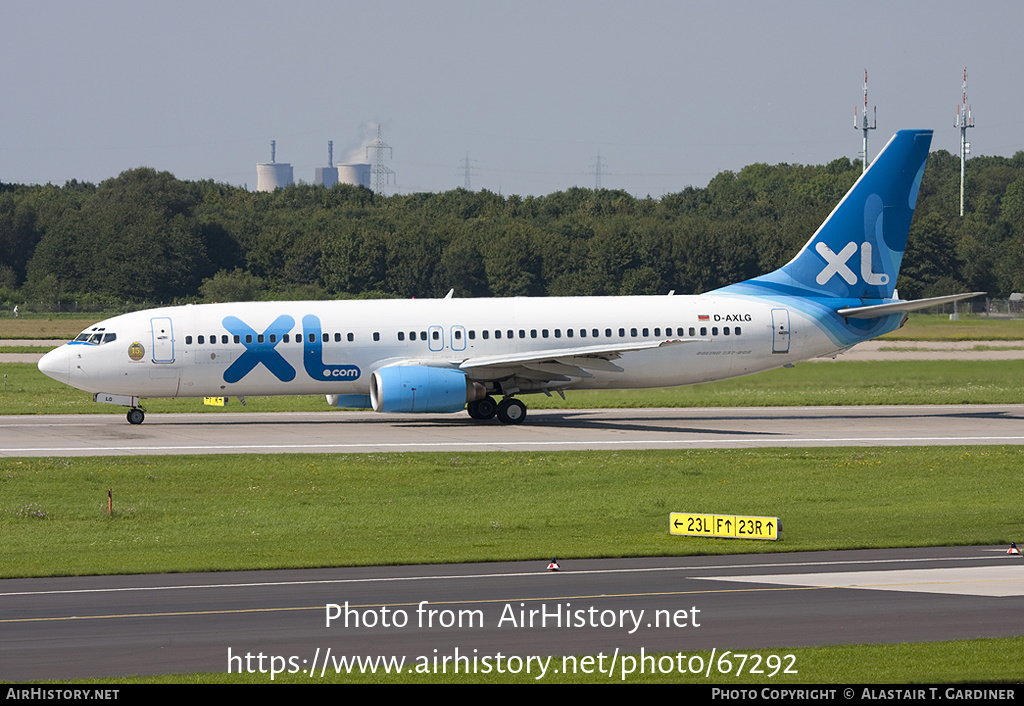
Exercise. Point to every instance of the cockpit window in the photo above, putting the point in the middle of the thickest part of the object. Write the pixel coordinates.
(95, 337)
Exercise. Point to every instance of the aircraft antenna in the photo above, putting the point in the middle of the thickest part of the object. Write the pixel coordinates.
(864, 121)
(381, 174)
(964, 120)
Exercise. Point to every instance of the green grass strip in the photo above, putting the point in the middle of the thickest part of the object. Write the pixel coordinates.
(208, 513)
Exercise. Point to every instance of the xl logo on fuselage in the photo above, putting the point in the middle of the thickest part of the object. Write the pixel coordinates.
(837, 264)
(261, 348)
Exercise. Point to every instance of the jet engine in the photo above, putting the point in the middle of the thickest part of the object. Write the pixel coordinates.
(421, 388)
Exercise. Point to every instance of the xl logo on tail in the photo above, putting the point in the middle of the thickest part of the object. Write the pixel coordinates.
(837, 265)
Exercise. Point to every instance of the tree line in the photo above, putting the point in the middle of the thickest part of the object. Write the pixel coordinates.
(146, 238)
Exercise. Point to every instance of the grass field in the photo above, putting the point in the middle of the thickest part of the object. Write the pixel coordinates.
(198, 513)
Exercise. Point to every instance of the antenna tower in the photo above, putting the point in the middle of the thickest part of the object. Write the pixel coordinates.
(964, 120)
(599, 164)
(467, 166)
(864, 121)
(381, 174)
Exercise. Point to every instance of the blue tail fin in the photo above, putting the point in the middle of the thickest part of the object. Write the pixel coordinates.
(856, 253)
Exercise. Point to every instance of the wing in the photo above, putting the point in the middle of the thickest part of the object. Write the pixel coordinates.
(539, 371)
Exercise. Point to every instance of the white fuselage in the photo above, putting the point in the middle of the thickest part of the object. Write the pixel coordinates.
(332, 347)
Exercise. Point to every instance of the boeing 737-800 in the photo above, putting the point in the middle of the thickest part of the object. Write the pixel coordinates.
(444, 355)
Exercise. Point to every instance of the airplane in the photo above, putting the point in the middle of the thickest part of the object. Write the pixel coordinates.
(446, 355)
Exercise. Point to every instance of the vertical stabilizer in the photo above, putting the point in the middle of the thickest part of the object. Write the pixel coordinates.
(856, 253)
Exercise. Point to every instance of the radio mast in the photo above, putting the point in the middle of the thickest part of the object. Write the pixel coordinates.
(964, 120)
(864, 121)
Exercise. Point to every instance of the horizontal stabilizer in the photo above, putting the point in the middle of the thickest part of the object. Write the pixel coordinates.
(876, 310)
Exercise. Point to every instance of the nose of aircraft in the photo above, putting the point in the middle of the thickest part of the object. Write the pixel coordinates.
(56, 364)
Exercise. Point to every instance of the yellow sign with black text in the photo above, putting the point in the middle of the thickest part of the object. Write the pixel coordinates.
(214, 401)
(730, 526)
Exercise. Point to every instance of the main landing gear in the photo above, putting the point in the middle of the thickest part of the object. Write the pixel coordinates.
(508, 411)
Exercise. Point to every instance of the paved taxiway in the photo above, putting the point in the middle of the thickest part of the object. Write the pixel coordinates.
(112, 625)
(357, 432)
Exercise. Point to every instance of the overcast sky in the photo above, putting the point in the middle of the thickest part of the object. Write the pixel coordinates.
(669, 93)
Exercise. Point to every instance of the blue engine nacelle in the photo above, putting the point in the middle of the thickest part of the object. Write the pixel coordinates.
(420, 388)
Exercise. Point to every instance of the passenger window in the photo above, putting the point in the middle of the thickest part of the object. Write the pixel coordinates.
(737, 330)
(533, 333)
(703, 330)
(486, 333)
(248, 338)
(458, 335)
(401, 335)
(337, 338)
(622, 333)
(714, 330)
(284, 339)
(200, 340)
(351, 337)
(647, 332)
(238, 339)
(273, 338)
(312, 338)
(376, 335)
(497, 334)
(725, 330)
(657, 333)
(188, 340)
(436, 335)
(544, 333)
(693, 331)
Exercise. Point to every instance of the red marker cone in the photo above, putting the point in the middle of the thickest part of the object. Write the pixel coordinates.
(1013, 549)
(553, 566)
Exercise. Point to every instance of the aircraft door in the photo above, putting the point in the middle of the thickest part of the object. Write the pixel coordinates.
(163, 339)
(780, 330)
(435, 338)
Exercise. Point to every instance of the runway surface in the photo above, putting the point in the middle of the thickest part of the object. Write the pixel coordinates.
(100, 626)
(362, 432)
